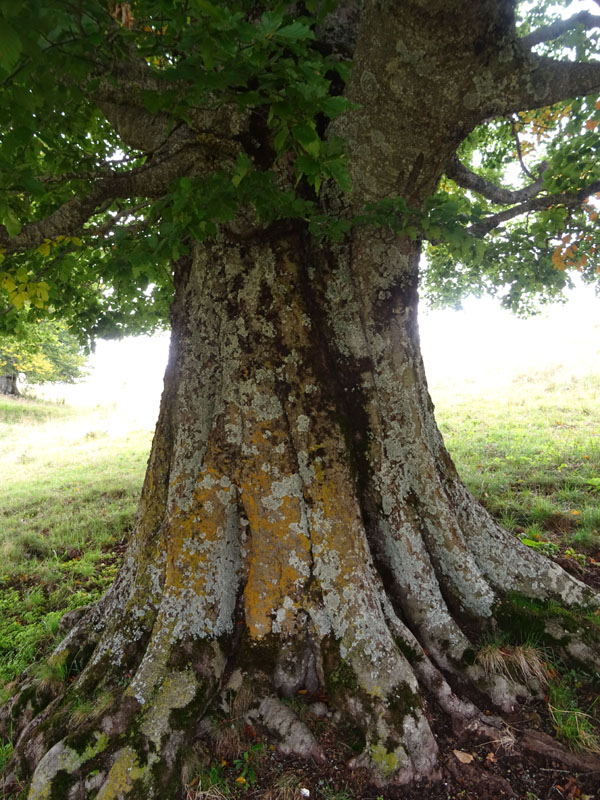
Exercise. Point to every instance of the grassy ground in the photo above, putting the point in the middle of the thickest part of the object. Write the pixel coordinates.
(531, 453)
(68, 499)
(530, 450)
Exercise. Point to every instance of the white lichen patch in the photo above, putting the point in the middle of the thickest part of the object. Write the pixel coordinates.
(266, 407)
(303, 423)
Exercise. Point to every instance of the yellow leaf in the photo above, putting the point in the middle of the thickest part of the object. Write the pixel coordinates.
(44, 249)
(464, 758)
(241, 779)
(18, 299)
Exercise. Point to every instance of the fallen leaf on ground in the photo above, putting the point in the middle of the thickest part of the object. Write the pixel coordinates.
(464, 758)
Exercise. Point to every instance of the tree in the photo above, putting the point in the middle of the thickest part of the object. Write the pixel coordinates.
(301, 526)
(45, 352)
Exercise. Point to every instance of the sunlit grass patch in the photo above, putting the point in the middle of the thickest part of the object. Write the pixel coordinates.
(69, 495)
(531, 453)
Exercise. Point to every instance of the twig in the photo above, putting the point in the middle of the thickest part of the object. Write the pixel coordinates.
(515, 133)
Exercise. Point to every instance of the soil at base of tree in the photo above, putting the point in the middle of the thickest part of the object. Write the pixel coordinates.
(496, 771)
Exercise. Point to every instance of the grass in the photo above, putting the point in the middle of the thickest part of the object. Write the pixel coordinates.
(573, 726)
(530, 452)
(69, 495)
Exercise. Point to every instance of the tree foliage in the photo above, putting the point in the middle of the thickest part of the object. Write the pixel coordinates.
(97, 99)
(46, 352)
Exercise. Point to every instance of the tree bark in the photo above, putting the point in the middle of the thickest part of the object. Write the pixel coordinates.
(302, 526)
(8, 384)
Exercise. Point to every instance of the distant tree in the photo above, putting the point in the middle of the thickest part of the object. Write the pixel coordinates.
(302, 527)
(44, 352)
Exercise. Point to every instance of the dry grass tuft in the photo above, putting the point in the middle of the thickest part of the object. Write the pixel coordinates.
(520, 662)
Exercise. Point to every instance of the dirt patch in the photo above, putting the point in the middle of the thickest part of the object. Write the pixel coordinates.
(527, 765)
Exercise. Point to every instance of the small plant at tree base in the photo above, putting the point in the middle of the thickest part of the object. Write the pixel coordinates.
(287, 787)
(246, 765)
(572, 725)
(209, 785)
(336, 794)
(546, 548)
(6, 750)
(580, 558)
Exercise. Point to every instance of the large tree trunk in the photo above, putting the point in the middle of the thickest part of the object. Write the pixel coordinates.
(8, 384)
(302, 526)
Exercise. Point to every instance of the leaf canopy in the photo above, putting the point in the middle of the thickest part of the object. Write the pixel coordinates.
(44, 353)
(97, 98)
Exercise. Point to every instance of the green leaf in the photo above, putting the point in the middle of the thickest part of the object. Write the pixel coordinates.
(339, 172)
(11, 223)
(308, 138)
(244, 165)
(334, 106)
(297, 31)
(10, 46)
(281, 139)
(212, 11)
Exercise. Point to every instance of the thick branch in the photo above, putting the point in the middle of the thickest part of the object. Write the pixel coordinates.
(535, 204)
(152, 182)
(536, 81)
(137, 127)
(556, 29)
(497, 194)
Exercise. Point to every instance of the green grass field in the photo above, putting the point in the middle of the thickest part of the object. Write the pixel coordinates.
(529, 450)
(68, 500)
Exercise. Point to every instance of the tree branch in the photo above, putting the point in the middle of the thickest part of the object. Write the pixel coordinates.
(556, 29)
(113, 221)
(150, 182)
(464, 177)
(534, 204)
(530, 81)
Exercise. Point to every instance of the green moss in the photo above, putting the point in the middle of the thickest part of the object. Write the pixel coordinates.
(123, 775)
(410, 653)
(61, 783)
(259, 657)
(387, 760)
(28, 696)
(341, 678)
(402, 701)
(524, 619)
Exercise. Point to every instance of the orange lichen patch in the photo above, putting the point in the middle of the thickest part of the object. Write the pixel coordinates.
(278, 554)
(334, 503)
